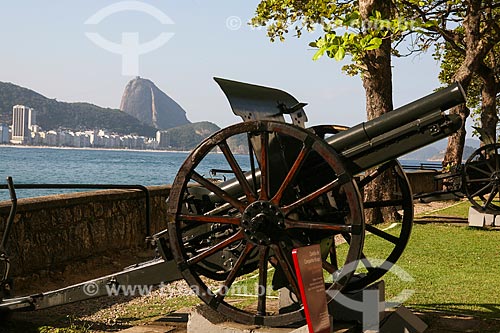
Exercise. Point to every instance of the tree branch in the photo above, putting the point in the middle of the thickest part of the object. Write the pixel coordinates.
(448, 35)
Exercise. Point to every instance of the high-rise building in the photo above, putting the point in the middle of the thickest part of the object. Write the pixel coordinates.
(23, 118)
(4, 133)
(163, 139)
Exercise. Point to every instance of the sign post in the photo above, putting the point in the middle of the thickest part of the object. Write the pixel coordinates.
(309, 268)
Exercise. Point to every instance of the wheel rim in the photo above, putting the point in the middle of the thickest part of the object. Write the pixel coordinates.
(402, 199)
(262, 226)
(481, 179)
(370, 271)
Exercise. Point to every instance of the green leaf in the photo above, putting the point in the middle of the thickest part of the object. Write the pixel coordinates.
(374, 44)
(318, 54)
(340, 54)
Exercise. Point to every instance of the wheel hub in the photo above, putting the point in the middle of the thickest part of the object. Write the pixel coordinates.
(262, 222)
(495, 178)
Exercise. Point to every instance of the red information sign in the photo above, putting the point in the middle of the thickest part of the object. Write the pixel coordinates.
(308, 265)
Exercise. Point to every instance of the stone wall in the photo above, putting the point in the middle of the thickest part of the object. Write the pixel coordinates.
(52, 231)
(422, 181)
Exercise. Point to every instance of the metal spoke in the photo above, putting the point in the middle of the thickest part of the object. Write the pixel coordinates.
(333, 255)
(481, 170)
(262, 288)
(479, 180)
(218, 191)
(290, 177)
(366, 180)
(382, 234)
(245, 186)
(481, 190)
(333, 265)
(287, 268)
(210, 219)
(214, 249)
(328, 267)
(493, 192)
(368, 265)
(312, 196)
(233, 274)
(326, 226)
(347, 237)
(252, 161)
(264, 166)
(484, 161)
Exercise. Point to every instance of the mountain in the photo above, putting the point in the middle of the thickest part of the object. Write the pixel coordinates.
(435, 151)
(52, 114)
(468, 151)
(143, 100)
(422, 154)
(186, 137)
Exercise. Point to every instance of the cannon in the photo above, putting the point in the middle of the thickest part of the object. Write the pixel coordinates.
(290, 186)
(478, 180)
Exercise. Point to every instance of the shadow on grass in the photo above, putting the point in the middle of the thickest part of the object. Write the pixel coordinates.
(64, 319)
(485, 310)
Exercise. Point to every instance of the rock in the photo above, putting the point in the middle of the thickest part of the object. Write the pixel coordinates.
(143, 100)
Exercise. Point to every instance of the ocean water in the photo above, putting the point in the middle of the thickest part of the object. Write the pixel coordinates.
(86, 166)
(97, 166)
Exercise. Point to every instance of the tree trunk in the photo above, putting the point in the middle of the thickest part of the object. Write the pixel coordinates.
(377, 82)
(489, 117)
(456, 142)
(474, 53)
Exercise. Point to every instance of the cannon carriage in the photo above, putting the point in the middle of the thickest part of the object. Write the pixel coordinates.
(291, 186)
(478, 180)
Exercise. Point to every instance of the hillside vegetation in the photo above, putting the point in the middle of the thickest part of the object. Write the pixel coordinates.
(188, 136)
(52, 114)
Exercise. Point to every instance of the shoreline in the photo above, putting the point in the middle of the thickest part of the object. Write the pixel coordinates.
(94, 148)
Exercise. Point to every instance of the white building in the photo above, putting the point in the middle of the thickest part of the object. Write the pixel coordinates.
(4, 133)
(51, 138)
(23, 118)
(163, 139)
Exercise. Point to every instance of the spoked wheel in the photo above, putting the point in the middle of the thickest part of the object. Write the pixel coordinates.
(257, 218)
(382, 252)
(481, 179)
(390, 240)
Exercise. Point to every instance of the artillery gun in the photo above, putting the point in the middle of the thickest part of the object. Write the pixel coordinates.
(478, 179)
(292, 186)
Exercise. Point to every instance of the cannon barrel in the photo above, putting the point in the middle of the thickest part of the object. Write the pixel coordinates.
(384, 138)
(441, 100)
(400, 131)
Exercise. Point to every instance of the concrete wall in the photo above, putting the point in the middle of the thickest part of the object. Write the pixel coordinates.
(50, 232)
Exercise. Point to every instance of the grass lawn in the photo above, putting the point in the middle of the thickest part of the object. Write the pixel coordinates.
(454, 269)
(445, 268)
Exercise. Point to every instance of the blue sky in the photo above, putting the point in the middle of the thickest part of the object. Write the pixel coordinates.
(45, 49)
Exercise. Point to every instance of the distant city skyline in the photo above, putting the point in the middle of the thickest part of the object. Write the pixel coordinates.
(207, 39)
(24, 131)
